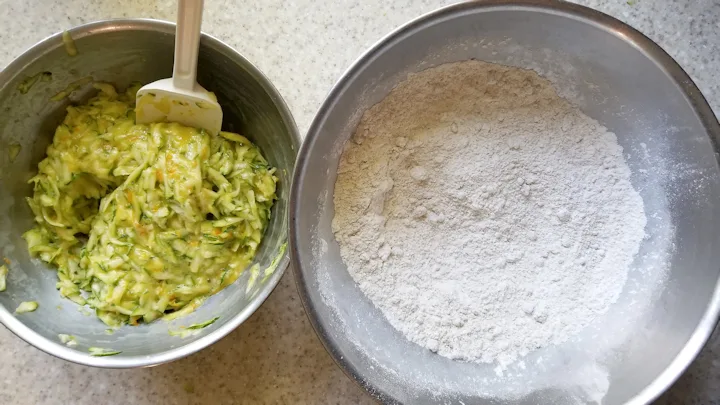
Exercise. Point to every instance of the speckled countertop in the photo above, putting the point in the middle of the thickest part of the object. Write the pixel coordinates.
(303, 46)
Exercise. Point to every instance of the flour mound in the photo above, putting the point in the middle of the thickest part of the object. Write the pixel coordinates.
(484, 215)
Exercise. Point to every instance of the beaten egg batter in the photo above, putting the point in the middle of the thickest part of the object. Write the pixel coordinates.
(146, 220)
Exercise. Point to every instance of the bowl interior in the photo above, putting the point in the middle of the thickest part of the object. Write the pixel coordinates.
(121, 52)
(669, 304)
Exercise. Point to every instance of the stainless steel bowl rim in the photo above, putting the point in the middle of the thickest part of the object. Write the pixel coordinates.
(61, 351)
(585, 14)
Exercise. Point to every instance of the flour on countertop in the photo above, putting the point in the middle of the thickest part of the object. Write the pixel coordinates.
(484, 215)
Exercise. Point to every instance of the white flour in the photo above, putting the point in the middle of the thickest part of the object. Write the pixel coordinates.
(484, 215)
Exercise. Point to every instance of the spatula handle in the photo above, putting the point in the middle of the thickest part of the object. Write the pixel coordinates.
(187, 42)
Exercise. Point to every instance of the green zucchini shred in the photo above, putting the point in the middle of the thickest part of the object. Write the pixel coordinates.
(203, 324)
(193, 329)
(3, 277)
(27, 306)
(14, 151)
(68, 340)
(100, 352)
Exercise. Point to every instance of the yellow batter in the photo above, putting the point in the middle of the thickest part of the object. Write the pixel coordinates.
(146, 220)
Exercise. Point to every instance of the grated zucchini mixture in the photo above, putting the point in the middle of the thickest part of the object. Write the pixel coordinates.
(146, 220)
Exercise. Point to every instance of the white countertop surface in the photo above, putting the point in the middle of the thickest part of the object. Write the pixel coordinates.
(303, 46)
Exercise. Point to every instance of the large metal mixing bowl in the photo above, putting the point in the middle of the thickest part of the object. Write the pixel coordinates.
(616, 75)
(120, 52)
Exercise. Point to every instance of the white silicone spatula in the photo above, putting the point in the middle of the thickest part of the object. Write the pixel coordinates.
(181, 99)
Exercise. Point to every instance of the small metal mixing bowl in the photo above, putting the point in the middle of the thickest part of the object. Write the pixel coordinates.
(670, 303)
(121, 52)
